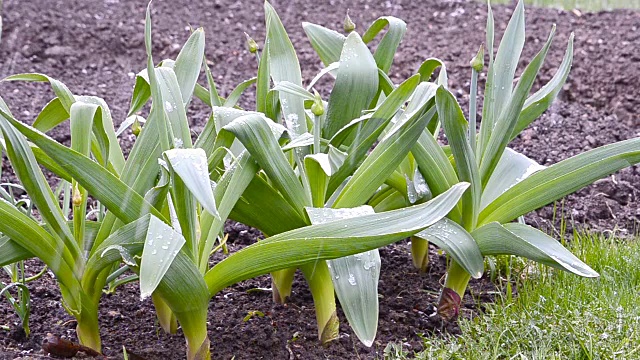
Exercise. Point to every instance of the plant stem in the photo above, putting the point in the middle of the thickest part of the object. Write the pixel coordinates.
(454, 288)
(281, 283)
(88, 329)
(420, 253)
(321, 286)
(194, 326)
(166, 317)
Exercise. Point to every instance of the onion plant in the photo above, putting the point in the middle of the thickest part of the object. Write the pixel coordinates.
(166, 202)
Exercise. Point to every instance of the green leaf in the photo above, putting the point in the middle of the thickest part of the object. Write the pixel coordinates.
(561, 179)
(191, 166)
(539, 102)
(34, 239)
(390, 41)
(458, 243)
(188, 63)
(506, 61)
(255, 133)
(508, 118)
(455, 127)
(62, 92)
(512, 168)
(523, 240)
(355, 277)
(429, 66)
(383, 160)
(356, 85)
(329, 241)
(120, 199)
(26, 168)
(173, 106)
(233, 98)
(326, 42)
(284, 66)
(293, 89)
(52, 115)
(161, 246)
(370, 130)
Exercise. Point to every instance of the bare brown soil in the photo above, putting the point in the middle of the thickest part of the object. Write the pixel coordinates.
(94, 46)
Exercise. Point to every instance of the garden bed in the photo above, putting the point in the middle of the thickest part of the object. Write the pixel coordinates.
(95, 47)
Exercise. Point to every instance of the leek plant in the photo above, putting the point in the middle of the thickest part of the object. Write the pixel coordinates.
(165, 203)
(505, 184)
(325, 172)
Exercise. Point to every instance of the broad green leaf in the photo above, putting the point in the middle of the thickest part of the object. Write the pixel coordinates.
(512, 168)
(455, 127)
(356, 84)
(284, 66)
(508, 118)
(383, 160)
(355, 277)
(434, 164)
(230, 188)
(260, 195)
(120, 199)
(34, 239)
(191, 166)
(429, 66)
(60, 89)
(11, 252)
(539, 102)
(26, 168)
(369, 132)
(293, 89)
(318, 168)
(255, 133)
(561, 179)
(458, 243)
(387, 47)
(173, 106)
(160, 248)
(52, 115)
(523, 240)
(506, 61)
(141, 93)
(326, 42)
(188, 63)
(263, 81)
(329, 241)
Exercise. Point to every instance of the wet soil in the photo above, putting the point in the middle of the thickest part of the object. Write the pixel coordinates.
(95, 47)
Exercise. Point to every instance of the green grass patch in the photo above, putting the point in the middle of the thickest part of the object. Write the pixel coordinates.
(557, 315)
(585, 5)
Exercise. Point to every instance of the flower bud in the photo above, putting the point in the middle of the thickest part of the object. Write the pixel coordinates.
(251, 44)
(477, 63)
(318, 106)
(76, 198)
(136, 128)
(349, 25)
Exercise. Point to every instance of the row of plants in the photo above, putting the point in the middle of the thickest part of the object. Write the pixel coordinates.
(328, 181)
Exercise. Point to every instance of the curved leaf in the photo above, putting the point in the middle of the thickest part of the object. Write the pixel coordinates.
(387, 47)
(523, 240)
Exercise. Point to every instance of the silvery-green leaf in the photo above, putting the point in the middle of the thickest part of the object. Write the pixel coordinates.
(326, 42)
(161, 246)
(512, 168)
(291, 88)
(191, 166)
(355, 277)
(523, 240)
(301, 140)
(330, 69)
(458, 243)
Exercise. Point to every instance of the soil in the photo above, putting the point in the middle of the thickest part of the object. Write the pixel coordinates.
(96, 46)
